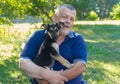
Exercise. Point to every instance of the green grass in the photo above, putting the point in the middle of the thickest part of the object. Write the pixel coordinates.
(11, 43)
(103, 44)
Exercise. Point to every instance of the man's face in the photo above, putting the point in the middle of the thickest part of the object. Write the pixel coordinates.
(66, 16)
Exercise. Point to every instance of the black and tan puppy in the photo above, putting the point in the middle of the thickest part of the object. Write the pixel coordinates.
(48, 51)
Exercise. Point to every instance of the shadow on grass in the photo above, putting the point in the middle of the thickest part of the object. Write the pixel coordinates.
(10, 73)
(103, 56)
(103, 53)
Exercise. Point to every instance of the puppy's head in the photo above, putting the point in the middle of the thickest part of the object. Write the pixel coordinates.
(53, 30)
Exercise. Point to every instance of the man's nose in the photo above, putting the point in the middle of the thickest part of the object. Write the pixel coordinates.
(68, 19)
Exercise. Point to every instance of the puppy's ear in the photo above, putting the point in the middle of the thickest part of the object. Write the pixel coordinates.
(46, 26)
(60, 24)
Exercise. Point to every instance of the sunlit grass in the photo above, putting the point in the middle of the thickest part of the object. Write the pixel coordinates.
(103, 44)
(11, 41)
(102, 72)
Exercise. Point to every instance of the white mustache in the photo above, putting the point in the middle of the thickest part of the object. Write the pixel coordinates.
(66, 25)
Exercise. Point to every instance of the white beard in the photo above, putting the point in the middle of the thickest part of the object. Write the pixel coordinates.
(64, 32)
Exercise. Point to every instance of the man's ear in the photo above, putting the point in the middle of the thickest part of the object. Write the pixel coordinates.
(55, 18)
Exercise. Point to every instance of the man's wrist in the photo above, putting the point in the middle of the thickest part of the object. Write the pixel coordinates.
(45, 74)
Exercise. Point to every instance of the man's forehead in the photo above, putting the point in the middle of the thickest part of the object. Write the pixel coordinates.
(66, 11)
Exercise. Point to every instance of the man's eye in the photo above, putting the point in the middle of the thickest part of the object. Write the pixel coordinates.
(65, 17)
(71, 19)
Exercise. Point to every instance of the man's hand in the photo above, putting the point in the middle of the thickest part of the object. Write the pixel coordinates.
(35, 71)
(42, 81)
(73, 72)
(54, 77)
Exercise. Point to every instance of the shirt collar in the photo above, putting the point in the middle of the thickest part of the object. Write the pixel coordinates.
(70, 35)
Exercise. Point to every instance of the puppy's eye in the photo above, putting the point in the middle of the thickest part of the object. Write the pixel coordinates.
(56, 30)
(50, 30)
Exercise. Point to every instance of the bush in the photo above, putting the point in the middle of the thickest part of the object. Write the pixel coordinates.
(115, 14)
(5, 20)
(92, 16)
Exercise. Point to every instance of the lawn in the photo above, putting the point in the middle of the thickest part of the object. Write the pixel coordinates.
(103, 44)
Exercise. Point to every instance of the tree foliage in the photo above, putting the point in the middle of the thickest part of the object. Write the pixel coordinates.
(104, 7)
(43, 8)
(92, 16)
(82, 6)
(116, 12)
(39, 8)
(10, 9)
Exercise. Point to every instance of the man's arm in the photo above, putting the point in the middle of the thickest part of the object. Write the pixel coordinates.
(37, 72)
(71, 73)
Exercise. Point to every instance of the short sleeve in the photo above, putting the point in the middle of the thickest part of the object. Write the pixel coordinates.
(32, 45)
(79, 50)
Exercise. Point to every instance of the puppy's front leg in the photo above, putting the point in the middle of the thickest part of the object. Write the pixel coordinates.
(63, 61)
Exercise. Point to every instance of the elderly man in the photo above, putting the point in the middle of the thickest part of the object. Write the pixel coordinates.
(71, 46)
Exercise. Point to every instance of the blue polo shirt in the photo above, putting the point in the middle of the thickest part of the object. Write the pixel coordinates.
(73, 48)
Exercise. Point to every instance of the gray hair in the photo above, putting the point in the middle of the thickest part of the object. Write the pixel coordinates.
(64, 6)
